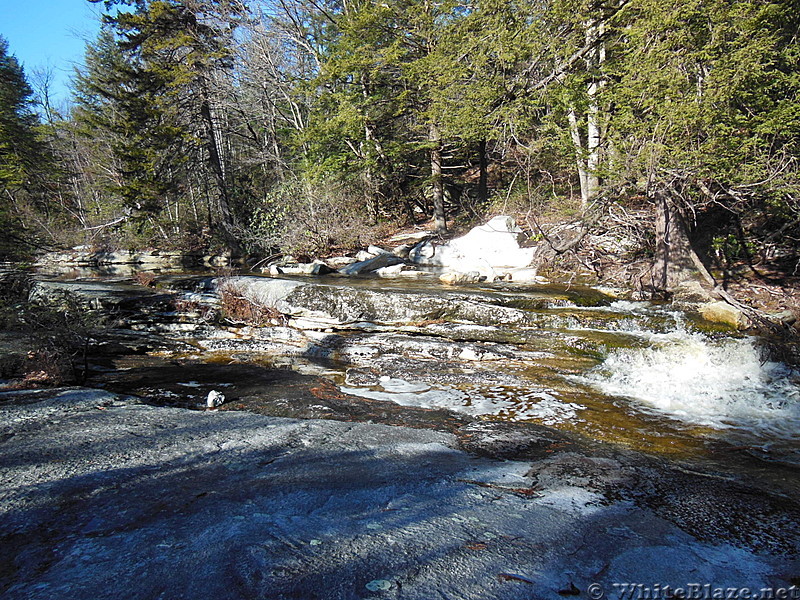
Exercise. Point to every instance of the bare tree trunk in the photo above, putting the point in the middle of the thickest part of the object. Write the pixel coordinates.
(593, 140)
(217, 163)
(588, 155)
(370, 148)
(372, 198)
(483, 176)
(594, 129)
(675, 258)
(580, 161)
(439, 216)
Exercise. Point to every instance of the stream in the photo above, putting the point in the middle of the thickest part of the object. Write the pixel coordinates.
(637, 374)
(499, 441)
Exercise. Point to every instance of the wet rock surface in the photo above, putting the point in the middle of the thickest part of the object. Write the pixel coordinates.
(269, 391)
(104, 496)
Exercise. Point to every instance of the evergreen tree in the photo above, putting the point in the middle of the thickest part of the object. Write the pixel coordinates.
(19, 146)
(159, 75)
(21, 152)
(377, 105)
(705, 114)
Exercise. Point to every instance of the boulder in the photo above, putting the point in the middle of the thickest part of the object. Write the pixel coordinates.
(723, 313)
(314, 268)
(337, 262)
(215, 399)
(453, 278)
(363, 255)
(416, 236)
(690, 292)
(485, 249)
(404, 271)
(392, 271)
(402, 251)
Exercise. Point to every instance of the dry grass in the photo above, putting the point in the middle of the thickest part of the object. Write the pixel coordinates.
(50, 367)
(145, 278)
(206, 313)
(241, 310)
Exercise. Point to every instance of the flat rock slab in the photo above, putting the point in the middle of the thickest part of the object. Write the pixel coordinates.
(104, 497)
(96, 294)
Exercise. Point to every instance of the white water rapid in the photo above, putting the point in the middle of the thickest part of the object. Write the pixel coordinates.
(693, 378)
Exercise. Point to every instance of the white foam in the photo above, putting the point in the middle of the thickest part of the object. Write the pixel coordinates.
(625, 306)
(720, 384)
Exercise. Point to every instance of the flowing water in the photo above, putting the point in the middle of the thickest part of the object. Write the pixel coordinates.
(633, 373)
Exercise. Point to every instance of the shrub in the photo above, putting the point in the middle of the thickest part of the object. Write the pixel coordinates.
(145, 278)
(239, 309)
(308, 218)
(57, 342)
(46, 367)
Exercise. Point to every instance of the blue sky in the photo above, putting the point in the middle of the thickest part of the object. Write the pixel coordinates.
(49, 34)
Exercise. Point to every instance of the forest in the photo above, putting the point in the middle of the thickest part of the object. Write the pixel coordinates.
(313, 126)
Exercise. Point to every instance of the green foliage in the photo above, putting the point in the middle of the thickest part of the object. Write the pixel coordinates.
(705, 99)
(705, 86)
(314, 218)
(150, 96)
(198, 122)
(23, 159)
(19, 146)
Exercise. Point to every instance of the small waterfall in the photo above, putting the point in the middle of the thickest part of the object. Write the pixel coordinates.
(691, 377)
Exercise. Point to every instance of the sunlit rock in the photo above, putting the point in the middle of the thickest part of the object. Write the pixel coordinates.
(376, 250)
(453, 278)
(724, 313)
(337, 262)
(689, 292)
(363, 255)
(314, 268)
(215, 399)
(402, 251)
(338, 305)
